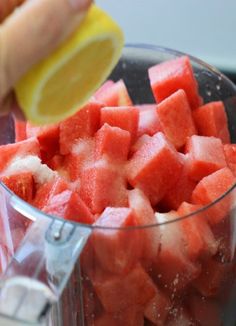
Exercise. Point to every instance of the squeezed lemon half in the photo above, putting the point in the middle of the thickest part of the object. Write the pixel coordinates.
(59, 85)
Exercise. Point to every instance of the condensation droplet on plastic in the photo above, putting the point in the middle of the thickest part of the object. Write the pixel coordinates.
(208, 90)
(208, 93)
(124, 65)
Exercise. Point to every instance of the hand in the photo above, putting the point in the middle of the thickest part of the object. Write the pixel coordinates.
(29, 34)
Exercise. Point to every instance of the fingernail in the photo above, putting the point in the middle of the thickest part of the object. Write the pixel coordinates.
(80, 4)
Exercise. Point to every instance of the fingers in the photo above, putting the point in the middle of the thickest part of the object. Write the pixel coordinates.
(32, 32)
(7, 6)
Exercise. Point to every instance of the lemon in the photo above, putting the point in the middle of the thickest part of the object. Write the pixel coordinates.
(59, 85)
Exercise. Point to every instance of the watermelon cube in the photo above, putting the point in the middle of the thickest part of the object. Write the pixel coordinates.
(176, 119)
(206, 155)
(206, 312)
(20, 130)
(173, 269)
(56, 162)
(155, 167)
(211, 120)
(158, 308)
(117, 250)
(230, 156)
(149, 123)
(47, 190)
(82, 124)
(114, 94)
(113, 142)
(22, 184)
(149, 237)
(119, 292)
(200, 241)
(48, 137)
(103, 88)
(11, 152)
(124, 117)
(82, 153)
(70, 206)
(172, 75)
(102, 185)
(182, 189)
(139, 143)
(210, 189)
(213, 277)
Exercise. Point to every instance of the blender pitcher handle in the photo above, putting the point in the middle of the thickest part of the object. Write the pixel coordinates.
(41, 267)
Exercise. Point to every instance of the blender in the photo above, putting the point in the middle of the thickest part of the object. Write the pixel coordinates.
(48, 264)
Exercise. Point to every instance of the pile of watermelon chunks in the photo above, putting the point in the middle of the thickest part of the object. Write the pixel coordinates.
(115, 164)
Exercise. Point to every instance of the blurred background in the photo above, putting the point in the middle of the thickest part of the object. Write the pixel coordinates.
(203, 28)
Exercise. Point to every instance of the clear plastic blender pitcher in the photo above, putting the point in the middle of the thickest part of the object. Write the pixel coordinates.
(51, 274)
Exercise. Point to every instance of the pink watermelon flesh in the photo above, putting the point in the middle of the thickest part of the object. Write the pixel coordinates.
(47, 190)
(48, 137)
(211, 120)
(124, 117)
(199, 239)
(17, 150)
(155, 168)
(82, 124)
(104, 89)
(169, 76)
(116, 250)
(139, 143)
(149, 122)
(206, 155)
(113, 142)
(179, 316)
(102, 185)
(70, 206)
(20, 130)
(176, 119)
(182, 189)
(210, 189)
(213, 277)
(206, 312)
(114, 94)
(118, 292)
(230, 156)
(144, 213)
(131, 316)
(173, 267)
(157, 309)
(21, 184)
(82, 153)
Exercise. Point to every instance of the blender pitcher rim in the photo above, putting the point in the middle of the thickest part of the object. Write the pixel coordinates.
(29, 208)
(154, 48)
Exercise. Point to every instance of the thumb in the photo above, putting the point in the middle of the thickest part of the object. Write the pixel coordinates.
(32, 32)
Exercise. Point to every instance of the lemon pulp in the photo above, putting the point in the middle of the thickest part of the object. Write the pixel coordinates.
(59, 85)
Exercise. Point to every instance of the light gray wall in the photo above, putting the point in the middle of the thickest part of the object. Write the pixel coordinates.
(204, 28)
